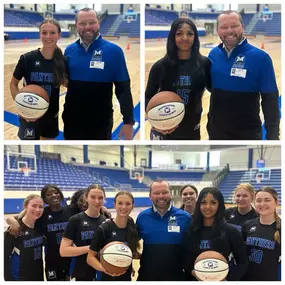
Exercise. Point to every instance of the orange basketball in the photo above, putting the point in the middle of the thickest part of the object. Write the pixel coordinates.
(32, 102)
(165, 110)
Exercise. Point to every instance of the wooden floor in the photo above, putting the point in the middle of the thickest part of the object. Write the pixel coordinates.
(154, 50)
(13, 50)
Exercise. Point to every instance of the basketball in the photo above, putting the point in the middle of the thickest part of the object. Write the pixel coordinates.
(32, 102)
(211, 266)
(116, 257)
(165, 110)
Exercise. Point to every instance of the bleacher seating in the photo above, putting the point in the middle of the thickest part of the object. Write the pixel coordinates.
(270, 27)
(160, 17)
(64, 17)
(234, 178)
(18, 18)
(175, 175)
(131, 29)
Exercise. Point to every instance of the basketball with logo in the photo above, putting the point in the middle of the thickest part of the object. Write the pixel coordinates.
(32, 102)
(165, 110)
(116, 257)
(211, 266)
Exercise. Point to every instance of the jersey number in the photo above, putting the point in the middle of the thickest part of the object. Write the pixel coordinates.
(184, 94)
(37, 253)
(256, 256)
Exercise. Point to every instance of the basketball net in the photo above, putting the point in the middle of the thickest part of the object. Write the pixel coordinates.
(265, 18)
(26, 171)
(258, 179)
(139, 178)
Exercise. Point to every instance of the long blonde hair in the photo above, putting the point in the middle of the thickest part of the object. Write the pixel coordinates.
(274, 194)
(26, 203)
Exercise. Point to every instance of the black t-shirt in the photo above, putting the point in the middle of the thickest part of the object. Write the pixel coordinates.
(106, 233)
(230, 244)
(264, 253)
(23, 255)
(233, 217)
(53, 224)
(35, 69)
(187, 79)
(81, 229)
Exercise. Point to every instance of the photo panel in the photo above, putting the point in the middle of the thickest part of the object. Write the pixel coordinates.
(224, 63)
(202, 211)
(85, 61)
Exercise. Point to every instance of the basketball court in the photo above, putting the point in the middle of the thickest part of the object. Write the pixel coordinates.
(12, 52)
(156, 49)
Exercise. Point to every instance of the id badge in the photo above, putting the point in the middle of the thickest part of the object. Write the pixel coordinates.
(238, 72)
(174, 229)
(97, 64)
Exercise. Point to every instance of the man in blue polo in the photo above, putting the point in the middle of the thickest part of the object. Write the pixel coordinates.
(241, 75)
(161, 228)
(94, 66)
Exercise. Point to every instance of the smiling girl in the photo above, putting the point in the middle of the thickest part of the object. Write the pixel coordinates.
(184, 71)
(23, 254)
(79, 232)
(262, 237)
(123, 229)
(244, 197)
(45, 67)
(210, 231)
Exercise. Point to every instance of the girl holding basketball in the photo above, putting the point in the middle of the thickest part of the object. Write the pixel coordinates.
(23, 254)
(122, 228)
(244, 197)
(188, 194)
(210, 231)
(45, 67)
(262, 237)
(184, 71)
(80, 230)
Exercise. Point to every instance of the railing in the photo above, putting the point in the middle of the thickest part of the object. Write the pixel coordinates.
(221, 175)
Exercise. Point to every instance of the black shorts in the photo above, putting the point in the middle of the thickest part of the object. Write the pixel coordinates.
(72, 131)
(219, 132)
(55, 274)
(46, 127)
(194, 135)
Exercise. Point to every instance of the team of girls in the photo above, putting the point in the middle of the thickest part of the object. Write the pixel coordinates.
(52, 225)
(253, 253)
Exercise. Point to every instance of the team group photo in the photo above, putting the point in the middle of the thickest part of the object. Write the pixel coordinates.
(138, 193)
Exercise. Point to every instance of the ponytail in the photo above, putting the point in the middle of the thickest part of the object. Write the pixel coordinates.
(59, 71)
(277, 237)
(133, 236)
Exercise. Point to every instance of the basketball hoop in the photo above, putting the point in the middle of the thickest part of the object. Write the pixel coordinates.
(129, 20)
(265, 17)
(26, 171)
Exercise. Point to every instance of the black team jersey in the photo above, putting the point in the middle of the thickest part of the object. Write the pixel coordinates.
(230, 244)
(233, 217)
(105, 234)
(81, 229)
(23, 255)
(264, 253)
(35, 69)
(53, 224)
(188, 80)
